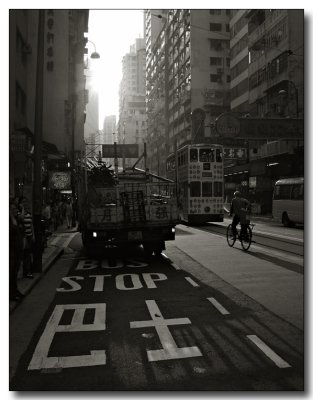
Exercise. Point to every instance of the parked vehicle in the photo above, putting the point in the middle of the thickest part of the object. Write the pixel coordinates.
(288, 201)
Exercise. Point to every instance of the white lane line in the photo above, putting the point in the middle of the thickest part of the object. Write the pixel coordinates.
(268, 352)
(191, 281)
(218, 305)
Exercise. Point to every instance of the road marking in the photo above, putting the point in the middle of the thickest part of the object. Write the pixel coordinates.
(218, 305)
(268, 352)
(41, 360)
(191, 281)
(170, 350)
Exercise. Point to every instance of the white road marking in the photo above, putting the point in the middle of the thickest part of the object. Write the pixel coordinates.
(218, 306)
(135, 281)
(191, 281)
(74, 285)
(268, 352)
(149, 280)
(169, 349)
(40, 359)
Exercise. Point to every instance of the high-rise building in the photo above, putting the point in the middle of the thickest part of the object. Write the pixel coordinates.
(109, 129)
(92, 134)
(188, 69)
(267, 82)
(132, 94)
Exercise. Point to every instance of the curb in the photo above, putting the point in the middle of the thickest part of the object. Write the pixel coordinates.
(45, 268)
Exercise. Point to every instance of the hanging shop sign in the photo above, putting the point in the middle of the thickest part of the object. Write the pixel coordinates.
(227, 125)
(60, 180)
(122, 150)
(50, 40)
(235, 153)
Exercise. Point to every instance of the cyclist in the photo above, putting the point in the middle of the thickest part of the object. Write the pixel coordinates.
(239, 207)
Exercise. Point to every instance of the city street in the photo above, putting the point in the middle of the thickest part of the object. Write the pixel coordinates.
(203, 316)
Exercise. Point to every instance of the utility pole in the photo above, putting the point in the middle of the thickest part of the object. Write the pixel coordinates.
(37, 185)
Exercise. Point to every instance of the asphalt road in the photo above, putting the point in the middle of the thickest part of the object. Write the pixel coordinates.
(122, 322)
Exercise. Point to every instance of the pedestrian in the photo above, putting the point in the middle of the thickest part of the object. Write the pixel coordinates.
(239, 207)
(69, 213)
(15, 249)
(28, 238)
(46, 213)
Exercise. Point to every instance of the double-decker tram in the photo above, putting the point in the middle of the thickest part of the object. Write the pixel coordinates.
(199, 175)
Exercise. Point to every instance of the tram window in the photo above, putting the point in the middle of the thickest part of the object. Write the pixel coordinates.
(195, 189)
(193, 155)
(218, 155)
(204, 155)
(218, 189)
(211, 155)
(206, 189)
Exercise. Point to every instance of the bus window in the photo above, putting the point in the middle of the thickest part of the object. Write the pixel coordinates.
(218, 191)
(282, 192)
(206, 189)
(193, 155)
(297, 192)
(218, 155)
(195, 189)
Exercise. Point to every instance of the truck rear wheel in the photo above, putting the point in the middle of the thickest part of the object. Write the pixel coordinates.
(158, 247)
(148, 249)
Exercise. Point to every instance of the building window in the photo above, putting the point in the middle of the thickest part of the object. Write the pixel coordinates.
(215, 61)
(215, 78)
(227, 27)
(216, 44)
(215, 27)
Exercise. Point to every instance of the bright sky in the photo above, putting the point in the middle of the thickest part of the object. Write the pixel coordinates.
(112, 32)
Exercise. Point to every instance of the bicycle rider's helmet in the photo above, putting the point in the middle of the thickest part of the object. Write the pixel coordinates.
(237, 193)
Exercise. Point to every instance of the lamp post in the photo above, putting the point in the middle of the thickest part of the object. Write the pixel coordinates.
(37, 186)
(95, 54)
(284, 92)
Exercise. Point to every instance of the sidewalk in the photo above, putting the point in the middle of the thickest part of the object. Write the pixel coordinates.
(55, 247)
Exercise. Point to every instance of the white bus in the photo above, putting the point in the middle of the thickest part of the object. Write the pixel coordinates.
(288, 199)
(198, 171)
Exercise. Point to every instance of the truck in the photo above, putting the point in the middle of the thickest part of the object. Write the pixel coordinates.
(132, 207)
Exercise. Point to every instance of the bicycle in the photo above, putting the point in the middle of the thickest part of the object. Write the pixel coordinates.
(244, 241)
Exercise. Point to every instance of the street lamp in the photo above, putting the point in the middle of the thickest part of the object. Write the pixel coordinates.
(287, 92)
(95, 54)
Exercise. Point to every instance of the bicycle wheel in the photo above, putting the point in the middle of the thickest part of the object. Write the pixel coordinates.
(229, 236)
(246, 240)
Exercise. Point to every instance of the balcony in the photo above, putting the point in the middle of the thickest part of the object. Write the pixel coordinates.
(271, 20)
